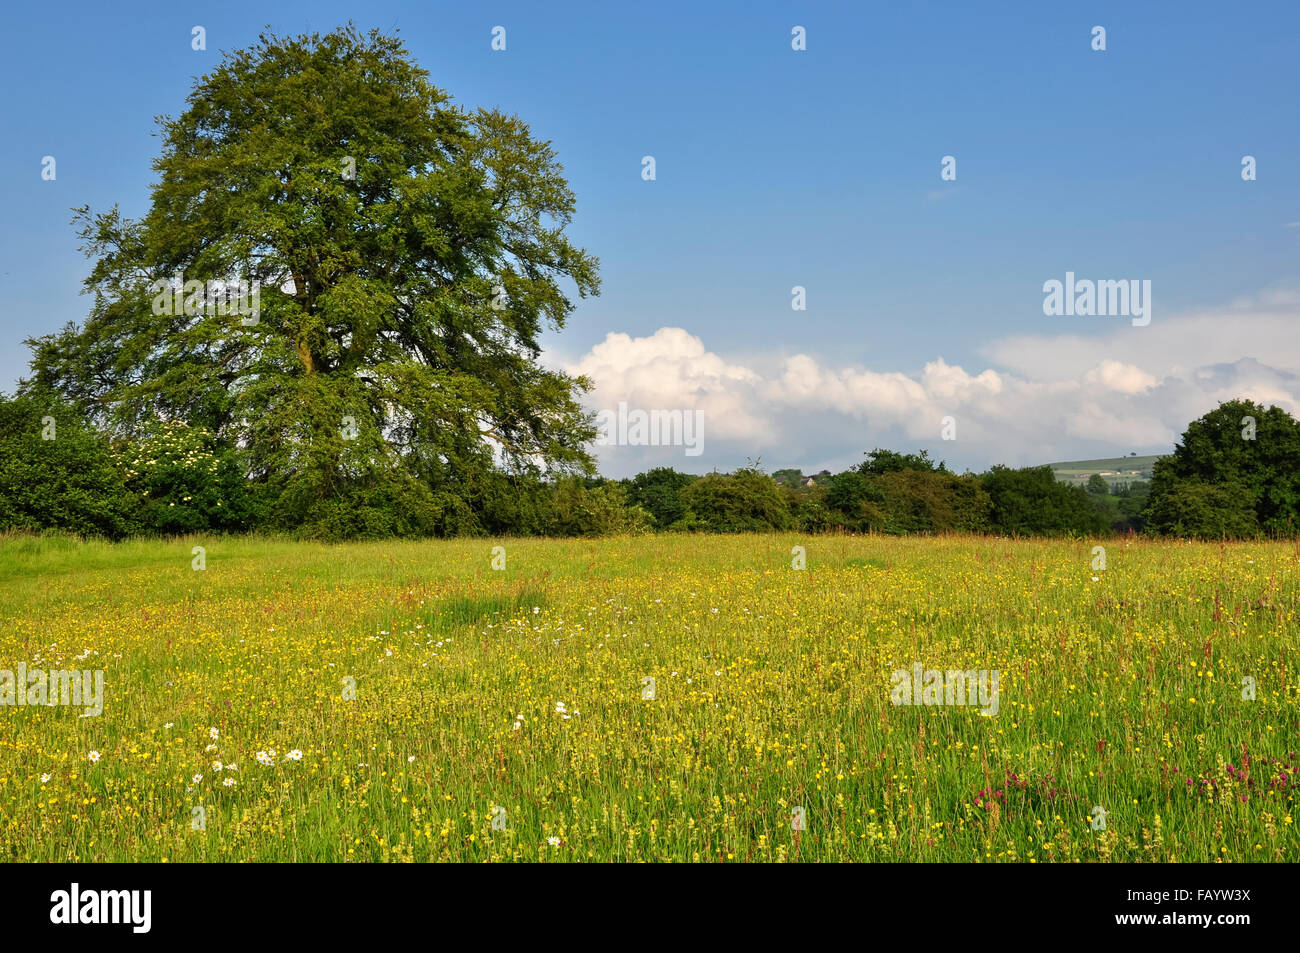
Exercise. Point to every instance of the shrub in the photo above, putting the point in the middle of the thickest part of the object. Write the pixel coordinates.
(745, 501)
(57, 473)
(185, 480)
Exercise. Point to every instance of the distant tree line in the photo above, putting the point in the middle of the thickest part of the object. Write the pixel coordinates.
(1235, 475)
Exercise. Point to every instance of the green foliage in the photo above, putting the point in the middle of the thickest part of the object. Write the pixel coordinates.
(1131, 503)
(808, 509)
(789, 476)
(932, 501)
(604, 510)
(1192, 508)
(855, 499)
(740, 502)
(185, 481)
(1032, 502)
(351, 509)
(905, 493)
(659, 492)
(392, 356)
(1240, 455)
(889, 461)
(66, 482)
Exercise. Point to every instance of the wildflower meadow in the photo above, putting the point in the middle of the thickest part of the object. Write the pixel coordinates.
(654, 698)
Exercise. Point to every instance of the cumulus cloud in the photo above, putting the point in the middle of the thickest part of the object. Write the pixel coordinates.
(1039, 398)
(671, 370)
(1120, 377)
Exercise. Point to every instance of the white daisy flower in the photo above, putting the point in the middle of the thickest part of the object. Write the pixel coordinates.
(93, 756)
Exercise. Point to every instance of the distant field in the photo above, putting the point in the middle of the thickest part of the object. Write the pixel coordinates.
(517, 696)
(1112, 469)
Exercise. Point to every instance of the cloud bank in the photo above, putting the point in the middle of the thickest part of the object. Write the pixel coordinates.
(1040, 398)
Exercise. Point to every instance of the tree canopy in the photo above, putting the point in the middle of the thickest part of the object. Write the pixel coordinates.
(405, 253)
(1236, 472)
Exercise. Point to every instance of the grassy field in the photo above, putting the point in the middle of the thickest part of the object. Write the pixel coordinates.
(516, 696)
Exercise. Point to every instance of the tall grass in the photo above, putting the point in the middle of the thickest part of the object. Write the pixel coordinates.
(1120, 689)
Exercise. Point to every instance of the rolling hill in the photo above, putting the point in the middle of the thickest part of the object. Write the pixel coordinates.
(1112, 469)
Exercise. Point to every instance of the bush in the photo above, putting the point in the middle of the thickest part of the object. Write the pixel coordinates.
(659, 493)
(186, 481)
(1202, 510)
(745, 501)
(855, 501)
(604, 510)
(1032, 502)
(920, 501)
(396, 508)
(57, 473)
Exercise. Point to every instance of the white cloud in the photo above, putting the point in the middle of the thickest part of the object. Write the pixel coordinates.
(671, 370)
(1044, 397)
(1120, 377)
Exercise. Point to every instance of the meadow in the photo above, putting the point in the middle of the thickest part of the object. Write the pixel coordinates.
(405, 701)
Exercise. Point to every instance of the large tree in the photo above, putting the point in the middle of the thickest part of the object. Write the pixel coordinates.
(1235, 473)
(408, 253)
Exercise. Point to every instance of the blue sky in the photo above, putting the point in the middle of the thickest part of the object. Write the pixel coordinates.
(817, 168)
